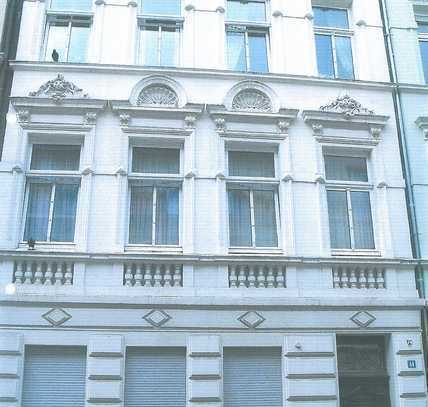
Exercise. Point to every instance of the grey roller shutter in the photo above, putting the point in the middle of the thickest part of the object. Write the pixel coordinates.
(252, 377)
(155, 377)
(54, 376)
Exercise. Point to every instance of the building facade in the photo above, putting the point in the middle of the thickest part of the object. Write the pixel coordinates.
(197, 196)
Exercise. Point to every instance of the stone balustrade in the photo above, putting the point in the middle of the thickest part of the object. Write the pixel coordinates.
(43, 272)
(359, 277)
(257, 276)
(152, 275)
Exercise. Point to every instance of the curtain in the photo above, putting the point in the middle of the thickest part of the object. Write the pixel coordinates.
(345, 168)
(345, 65)
(265, 219)
(149, 45)
(156, 160)
(167, 211)
(238, 10)
(141, 215)
(72, 5)
(55, 157)
(36, 225)
(330, 17)
(338, 219)
(162, 7)
(324, 50)
(258, 52)
(236, 59)
(169, 46)
(249, 164)
(362, 220)
(239, 218)
(78, 42)
(64, 213)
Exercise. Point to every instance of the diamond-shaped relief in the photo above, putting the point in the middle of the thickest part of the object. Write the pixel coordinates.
(157, 317)
(363, 319)
(251, 319)
(56, 316)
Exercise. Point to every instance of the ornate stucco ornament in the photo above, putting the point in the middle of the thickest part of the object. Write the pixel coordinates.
(252, 100)
(157, 95)
(58, 89)
(347, 106)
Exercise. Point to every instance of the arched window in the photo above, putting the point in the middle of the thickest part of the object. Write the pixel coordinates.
(158, 95)
(252, 100)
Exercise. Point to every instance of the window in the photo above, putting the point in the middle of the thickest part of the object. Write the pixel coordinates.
(349, 207)
(51, 196)
(54, 376)
(161, 8)
(252, 377)
(363, 378)
(423, 45)
(154, 204)
(333, 43)
(252, 207)
(247, 44)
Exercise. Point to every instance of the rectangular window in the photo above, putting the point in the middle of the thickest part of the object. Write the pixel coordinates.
(252, 377)
(345, 168)
(161, 8)
(67, 38)
(251, 164)
(54, 376)
(159, 44)
(252, 218)
(240, 10)
(423, 46)
(333, 43)
(55, 157)
(154, 215)
(155, 377)
(71, 5)
(363, 377)
(247, 49)
(156, 160)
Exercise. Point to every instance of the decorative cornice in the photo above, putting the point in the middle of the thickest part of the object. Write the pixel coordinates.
(90, 118)
(347, 106)
(422, 123)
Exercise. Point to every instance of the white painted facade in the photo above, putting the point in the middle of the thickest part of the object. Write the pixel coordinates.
(96, 304)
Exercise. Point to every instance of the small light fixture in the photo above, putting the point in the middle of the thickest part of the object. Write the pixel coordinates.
(31, 243)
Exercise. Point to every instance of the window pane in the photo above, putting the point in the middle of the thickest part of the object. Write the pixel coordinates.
(239, 218)
(338, 219)
(141, 215)
(64, 213)
(324, 55)
(246, 11)
(258, 52)
(345, 168)
(150, 45)
(57, 40)
(424, 55)
(423, 28)
(345, 65)
(330, 17)
(72, 5)
(78, 43)
(162, 7)
(156, 160)
(36, 225)
(169, 46)
(265, 219)
(362, 220)
(55, 157)
(249, 164)
(236, 59)
(167, 216)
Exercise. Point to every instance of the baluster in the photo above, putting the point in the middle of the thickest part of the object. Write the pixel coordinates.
(138, 275)
(353, 278)
(344, 280)
(157, 276)
(370, 278)
(261, 280)
(233, 278)
(127, 275)
(38, 275)
(270, 278)
(59, 274)
(380, 278)
(178, 276)
(252, 277)
(167, 277)
(19, 273)
(48, 274)
(336, 278)
(28, 273)
(280, 277)
(363, 278)
(241, 277)
(68, 277)
(147, 276)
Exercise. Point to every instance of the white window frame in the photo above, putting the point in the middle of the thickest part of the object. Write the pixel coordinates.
(334, 32)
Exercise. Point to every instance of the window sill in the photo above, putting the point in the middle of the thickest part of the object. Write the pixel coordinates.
(153, 249)
(359, 253)
(49, 246)
(255, 250)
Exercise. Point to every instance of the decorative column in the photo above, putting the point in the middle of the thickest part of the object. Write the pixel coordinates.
(132, 32)
(204, 361)
(105, 369)
(16, 205)
(95, 50)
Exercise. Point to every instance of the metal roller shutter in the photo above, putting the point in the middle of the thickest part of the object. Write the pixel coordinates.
(54, 376)
(155, 377)
(252, 377)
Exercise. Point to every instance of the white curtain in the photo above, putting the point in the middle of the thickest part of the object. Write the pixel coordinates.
(167, 215)
(64, 213)
(55, 157)
(156, 160)
(239, 218)
(345, 168)
(362, 220)
(141, 215)
(265, 219)
(338, 219)
(36, 224)
(250, 164)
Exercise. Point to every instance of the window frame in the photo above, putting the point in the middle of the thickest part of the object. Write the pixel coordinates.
(245, 22)
(422, 37)
(334, 32)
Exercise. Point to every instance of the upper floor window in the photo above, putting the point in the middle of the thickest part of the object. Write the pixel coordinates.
(349, 206)
(333, 43)
(51, 201)
(161, 8)
(154, 203)
(423, 45)
(67, 31)
(240, 10)
(253, 206)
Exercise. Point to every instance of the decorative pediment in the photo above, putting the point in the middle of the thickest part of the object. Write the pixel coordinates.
(347, 106)
(251, 100)
(58, 89)
(157, 95)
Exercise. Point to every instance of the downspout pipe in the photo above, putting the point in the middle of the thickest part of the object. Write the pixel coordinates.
(398, 108)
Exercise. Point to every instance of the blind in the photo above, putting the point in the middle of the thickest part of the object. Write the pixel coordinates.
(155, 377)
(54, 376)
(252, 377)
